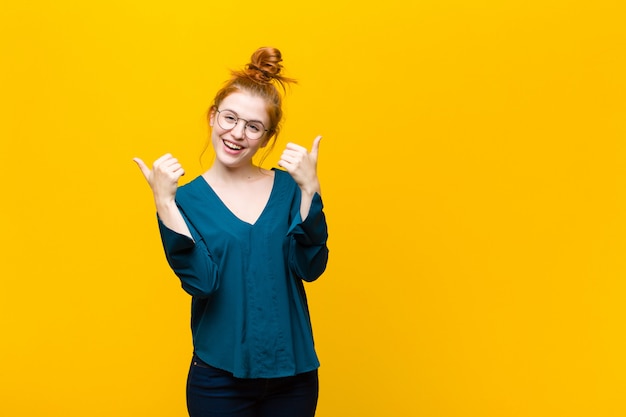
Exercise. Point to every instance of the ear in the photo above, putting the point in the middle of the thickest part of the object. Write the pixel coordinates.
(212, 116)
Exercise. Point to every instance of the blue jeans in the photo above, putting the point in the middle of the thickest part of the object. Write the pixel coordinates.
(212, 392)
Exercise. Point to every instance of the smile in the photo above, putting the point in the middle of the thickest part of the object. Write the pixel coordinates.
(232, 145)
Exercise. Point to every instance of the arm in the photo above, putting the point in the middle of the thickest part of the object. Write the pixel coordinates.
(308, 252)
(185, 251)
(306, 199)
(302, 166)
(191, 261)
(163, 180)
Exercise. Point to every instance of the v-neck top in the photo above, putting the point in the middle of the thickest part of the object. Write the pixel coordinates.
(249, 313)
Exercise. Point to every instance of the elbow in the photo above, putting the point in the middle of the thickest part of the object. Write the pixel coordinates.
(314, 274)
(200, 288)
(311, 278)
(199, 291)
(317, 266)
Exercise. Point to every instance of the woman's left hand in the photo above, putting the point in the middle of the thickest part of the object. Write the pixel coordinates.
(302, 165)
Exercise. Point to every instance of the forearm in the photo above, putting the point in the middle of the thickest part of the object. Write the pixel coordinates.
(309, 249)
(172, 218)
(191, 262)
(307, 194)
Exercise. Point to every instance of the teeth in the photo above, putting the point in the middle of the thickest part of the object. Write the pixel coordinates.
(232, 145)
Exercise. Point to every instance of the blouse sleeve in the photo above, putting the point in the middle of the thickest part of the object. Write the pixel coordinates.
(191, 261)
(308, 249)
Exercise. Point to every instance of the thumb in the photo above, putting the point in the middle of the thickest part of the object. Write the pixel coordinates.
(143, 167)
(316, 147)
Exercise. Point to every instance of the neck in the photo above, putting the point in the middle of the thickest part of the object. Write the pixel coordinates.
(226, 174)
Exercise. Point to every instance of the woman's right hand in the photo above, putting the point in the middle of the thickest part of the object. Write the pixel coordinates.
(163, 178)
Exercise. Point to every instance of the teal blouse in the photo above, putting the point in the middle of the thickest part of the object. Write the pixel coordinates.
(249, 312)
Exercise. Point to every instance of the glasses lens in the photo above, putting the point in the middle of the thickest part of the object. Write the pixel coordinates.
(226, 119)
(254, 130)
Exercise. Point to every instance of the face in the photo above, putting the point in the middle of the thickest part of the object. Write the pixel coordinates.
(232, 146)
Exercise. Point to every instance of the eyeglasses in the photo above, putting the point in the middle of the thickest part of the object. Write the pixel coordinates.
(228, 120)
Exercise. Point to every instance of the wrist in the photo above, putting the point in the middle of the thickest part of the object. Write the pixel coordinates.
(310, 189)
(165, 204)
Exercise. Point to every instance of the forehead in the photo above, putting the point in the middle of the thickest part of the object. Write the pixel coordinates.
(246, 106)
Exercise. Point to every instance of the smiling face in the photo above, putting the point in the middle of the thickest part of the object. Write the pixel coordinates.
(232, 147)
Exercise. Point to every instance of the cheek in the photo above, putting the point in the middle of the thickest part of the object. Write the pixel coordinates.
(215, 136)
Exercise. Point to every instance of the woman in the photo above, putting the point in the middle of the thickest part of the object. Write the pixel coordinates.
(242, 239)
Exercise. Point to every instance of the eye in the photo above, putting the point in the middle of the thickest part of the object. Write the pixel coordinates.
(230, 118)
(255, 127)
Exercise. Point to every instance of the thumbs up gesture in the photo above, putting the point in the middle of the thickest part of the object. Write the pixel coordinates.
(302, 165)
(163, 178)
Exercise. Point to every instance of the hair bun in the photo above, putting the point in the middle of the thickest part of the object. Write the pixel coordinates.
(265, 66)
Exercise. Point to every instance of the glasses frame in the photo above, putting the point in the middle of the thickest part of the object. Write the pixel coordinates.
(237, 119)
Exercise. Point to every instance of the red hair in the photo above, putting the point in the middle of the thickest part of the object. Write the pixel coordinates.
(261, 77)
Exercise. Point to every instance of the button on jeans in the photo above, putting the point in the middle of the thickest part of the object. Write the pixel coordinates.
(212, 392)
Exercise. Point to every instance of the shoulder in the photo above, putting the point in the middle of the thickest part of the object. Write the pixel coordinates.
(285, 182)
(285, 189)
(192, 189)
(283, 176)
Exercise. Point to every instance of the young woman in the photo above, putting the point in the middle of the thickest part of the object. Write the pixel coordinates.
(242, 239)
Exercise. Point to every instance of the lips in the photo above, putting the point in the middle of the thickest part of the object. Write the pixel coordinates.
(232, 145)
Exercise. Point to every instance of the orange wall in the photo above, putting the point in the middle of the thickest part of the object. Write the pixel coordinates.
(473, 176)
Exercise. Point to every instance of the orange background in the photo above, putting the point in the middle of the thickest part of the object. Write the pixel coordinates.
(472, 169)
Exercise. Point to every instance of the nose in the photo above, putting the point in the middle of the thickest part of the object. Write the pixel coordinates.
(239, 130)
